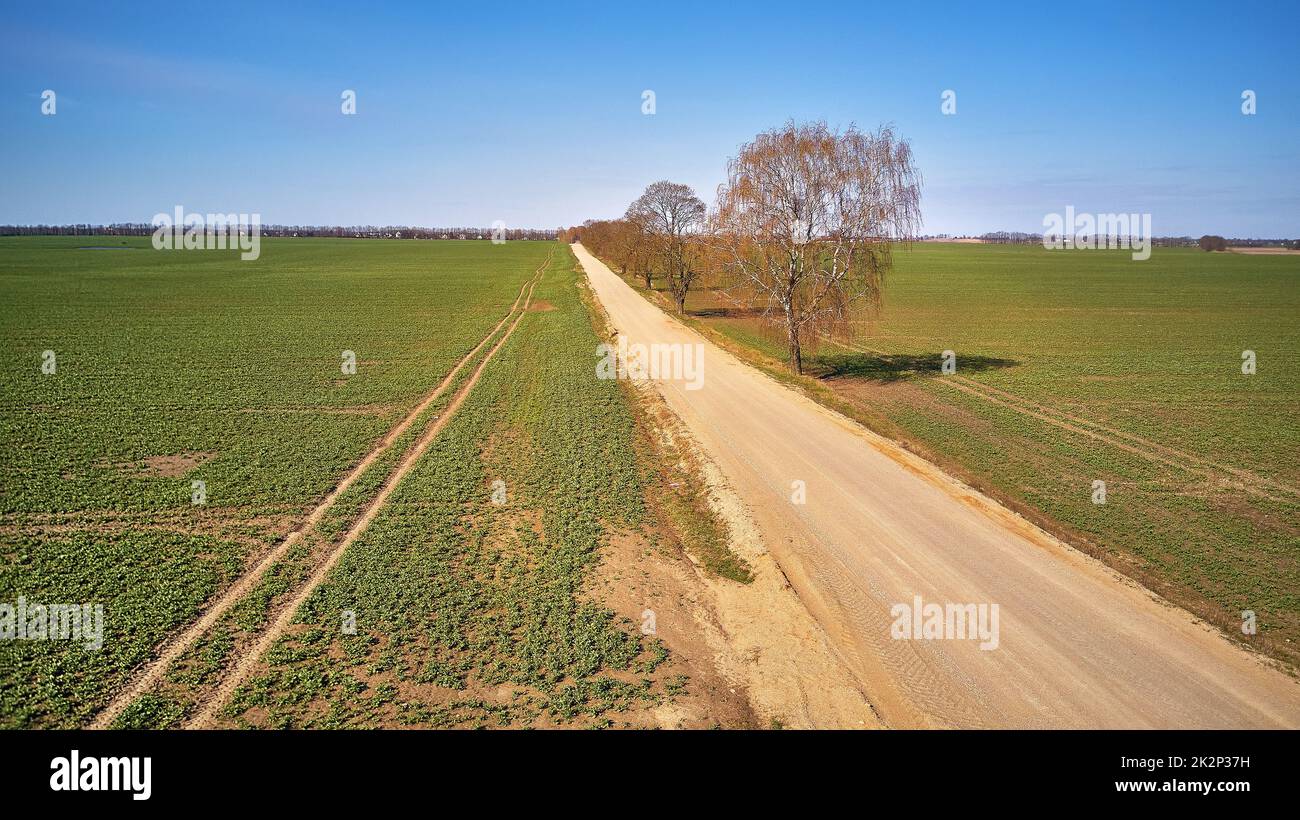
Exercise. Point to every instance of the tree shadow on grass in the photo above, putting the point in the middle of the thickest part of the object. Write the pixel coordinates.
(895, 367)
(726, 313)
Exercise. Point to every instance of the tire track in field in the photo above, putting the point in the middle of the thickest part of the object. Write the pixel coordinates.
(1179, 456)
(1251, 482)
(175, 647)
(246, 661)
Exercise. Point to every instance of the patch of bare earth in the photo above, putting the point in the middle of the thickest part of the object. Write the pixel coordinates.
(377, 410)
(171, 466)
(658, 589)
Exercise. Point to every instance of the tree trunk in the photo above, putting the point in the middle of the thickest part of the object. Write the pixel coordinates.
(792, 331)
(796, 354)
(647, 275)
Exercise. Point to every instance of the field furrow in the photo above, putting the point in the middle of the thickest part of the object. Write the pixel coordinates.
(245, 584)
(186, 371)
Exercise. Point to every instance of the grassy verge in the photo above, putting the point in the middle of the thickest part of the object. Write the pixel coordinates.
(677, 496)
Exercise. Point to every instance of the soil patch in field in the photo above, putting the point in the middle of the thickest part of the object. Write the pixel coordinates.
(172, 466)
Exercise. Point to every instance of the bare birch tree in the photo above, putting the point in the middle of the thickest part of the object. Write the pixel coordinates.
(672, 216)
(807, 220)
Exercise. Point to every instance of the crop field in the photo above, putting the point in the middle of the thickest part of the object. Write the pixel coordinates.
(176, 368)
(278, 540)
(468, 612)
(1080, 366)
(411, 544)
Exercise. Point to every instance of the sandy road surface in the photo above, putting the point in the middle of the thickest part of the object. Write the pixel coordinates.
(1079, 645)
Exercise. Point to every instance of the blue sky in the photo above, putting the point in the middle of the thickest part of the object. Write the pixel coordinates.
(531, 114)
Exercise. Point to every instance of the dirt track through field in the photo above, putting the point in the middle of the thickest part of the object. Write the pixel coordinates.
(1155, 452)
(246, 660)
(174, 648)
(876, 527)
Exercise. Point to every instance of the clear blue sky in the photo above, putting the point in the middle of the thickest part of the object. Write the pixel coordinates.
(531, 114)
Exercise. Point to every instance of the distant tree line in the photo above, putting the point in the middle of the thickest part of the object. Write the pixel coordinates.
(1098, 240)
(1293, 244)
(1211, 242)
(1021, 238)
(351, 232)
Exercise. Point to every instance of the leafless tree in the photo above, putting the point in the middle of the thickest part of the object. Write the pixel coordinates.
(672, 216)
(620, 243)
(637, 248)
(807, 220)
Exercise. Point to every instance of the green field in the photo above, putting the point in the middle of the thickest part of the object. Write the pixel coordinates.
(181, 366)
(175, 367)
(496, 604)
(1076, 366)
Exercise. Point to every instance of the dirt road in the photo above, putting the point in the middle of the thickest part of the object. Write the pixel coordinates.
(1077, 644)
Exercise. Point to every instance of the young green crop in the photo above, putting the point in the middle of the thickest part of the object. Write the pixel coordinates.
(173, 367)
(456, 597)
